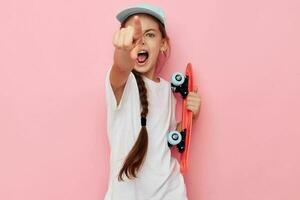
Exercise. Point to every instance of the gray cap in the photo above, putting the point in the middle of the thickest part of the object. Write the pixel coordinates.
(144, 8)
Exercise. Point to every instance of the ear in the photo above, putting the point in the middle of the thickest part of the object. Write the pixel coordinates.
(164, 45)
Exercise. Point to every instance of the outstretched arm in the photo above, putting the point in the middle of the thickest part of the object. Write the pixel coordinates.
(126, 46)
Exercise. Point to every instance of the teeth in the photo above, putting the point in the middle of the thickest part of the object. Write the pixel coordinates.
(143, 51)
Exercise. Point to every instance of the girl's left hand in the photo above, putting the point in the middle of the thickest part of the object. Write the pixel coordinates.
(193, 103)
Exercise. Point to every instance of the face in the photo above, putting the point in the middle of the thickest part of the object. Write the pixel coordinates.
(152, 42)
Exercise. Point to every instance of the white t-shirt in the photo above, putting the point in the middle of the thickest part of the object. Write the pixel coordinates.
(159, 177)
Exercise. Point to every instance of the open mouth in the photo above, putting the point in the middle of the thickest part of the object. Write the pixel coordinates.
(142, 56)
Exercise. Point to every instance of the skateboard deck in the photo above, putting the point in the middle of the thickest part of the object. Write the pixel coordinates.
(187, 117)
(183, 84)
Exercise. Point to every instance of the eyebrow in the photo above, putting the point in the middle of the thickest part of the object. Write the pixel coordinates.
(151, 29)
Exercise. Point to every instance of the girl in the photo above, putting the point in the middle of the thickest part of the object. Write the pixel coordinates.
(141, 111)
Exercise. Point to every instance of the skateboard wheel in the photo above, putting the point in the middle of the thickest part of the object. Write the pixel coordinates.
(177, 79)
(174, 137)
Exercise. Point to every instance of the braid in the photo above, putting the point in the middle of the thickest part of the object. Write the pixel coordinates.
(137, 154)
(142, 93)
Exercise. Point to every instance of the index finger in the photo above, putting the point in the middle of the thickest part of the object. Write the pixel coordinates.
(137, 27)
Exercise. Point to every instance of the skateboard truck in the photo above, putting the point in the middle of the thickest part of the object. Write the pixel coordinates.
(178, 139)
(179, 83)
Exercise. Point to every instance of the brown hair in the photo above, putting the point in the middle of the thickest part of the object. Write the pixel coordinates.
(137, 154)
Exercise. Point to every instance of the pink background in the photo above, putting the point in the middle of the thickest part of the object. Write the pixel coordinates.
(54, 56)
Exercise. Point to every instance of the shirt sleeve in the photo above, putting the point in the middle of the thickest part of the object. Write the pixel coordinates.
(173, 123)
(111, 101)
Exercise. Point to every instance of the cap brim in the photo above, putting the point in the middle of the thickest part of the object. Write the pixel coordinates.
(123, 15)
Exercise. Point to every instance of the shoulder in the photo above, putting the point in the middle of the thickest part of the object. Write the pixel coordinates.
(164, 82)
(168, 85)
(130, 92)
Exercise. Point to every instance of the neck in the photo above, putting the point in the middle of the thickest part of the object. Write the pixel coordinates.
(151, 75)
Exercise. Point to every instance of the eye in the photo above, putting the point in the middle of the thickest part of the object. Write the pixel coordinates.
(150, 34)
